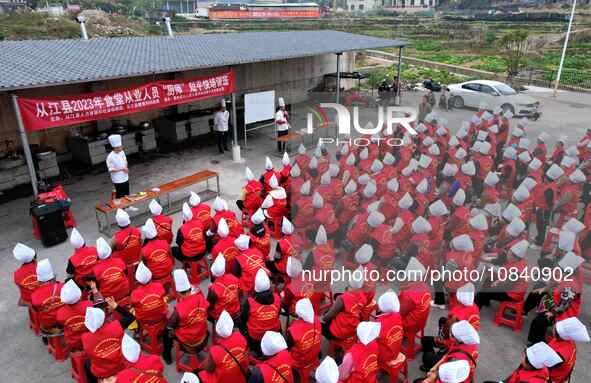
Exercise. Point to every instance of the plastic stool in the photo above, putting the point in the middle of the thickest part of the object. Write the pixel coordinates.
(305, 372)
(34, 321)
(199, 271)
(77, 359)
(514, 323)
(150, 335)
(411, 348)
(57, 346)
(185, 367)
(397, 367)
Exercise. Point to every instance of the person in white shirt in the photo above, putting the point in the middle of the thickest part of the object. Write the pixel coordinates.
(220, 125)
(281, 124)
(117, 166)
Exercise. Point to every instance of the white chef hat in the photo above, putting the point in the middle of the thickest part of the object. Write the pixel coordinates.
(364, 254)
(155, 207)
(249, 174)
(364, 154)
(465, 333)
(327, 371)
(334, 170)
(529, 183)
(511, 212)
(554, 172)
(344, 149)
(368, 331)
(350, 159)
(103, 249)
(456, 371)
(438, 208)
(295, 171)
(218, 267)
(293, 267)
(189, 377)
(389, 302)
(494, 129)
(414, 270)
(397, 226)
(261, 281)
(393, 185)
(482, 134)
(149, 229)
(370, 189)
(577, 177)
(517, 132)
(122, 218)
(286, 226)
(570, 261)
(325, 178)
(224, 325)
(351, 187)
(375, 218)
(389, 159)
(510, 153)
(540, 355)
(115, 140)
(566, 240)
(273, 182)
(317, 200)
(450, 170)
(420, 226)
(23, 253)
(376, 166)
(484, 147)
(44, 271)
(434, 150)
(267, 202)
(408, 170)
(573, 225)
(428, 141)
(305, 188)
(568, 162)
(281, 101)
(423, 186)
(465, 294)
(187, 213)
(272, 343)
(459, 198)
(321, 238)
(94, 318)
(516, 227)
(142, 274)
(469, 168)
(194, 199)
(524, 157)
(268, 163)
(521, 194)
(493, 209)
(223, 229)
(258, 217)
(479, 222)
(462, 243)
(285, 159)
(181, 281)
(572, 329)
(305, 310)
(425, 161)
(242, 242)
(70, 293)
(453, 141)
(219, 204)
(523, 143)
(508, 114)
(460, 154)
(313, 164)
(520, 248)
(76, 239)
(130, 349)
(405, 202)
(491, 179)
(356, 278)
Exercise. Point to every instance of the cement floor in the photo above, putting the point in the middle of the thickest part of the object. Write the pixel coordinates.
(25, 358)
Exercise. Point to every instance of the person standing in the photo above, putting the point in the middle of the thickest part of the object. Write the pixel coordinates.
(424, 108)
(117, 166)
(281, 124)
(220, 125)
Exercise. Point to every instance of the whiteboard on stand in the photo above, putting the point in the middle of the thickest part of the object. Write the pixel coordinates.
(259, 106)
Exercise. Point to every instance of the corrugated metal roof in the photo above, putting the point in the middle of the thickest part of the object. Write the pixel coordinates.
(34, 63)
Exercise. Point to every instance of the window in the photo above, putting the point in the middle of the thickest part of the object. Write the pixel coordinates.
(352, 7)
(487, 89)
(361, 7)
(505, 90)
(472, 86)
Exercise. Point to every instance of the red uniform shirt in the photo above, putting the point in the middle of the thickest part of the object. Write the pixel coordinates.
(277, 369)
(263, 318)
(226, 247)
(365, 363)
(163, 225)
(529, 376)
(192, 327)
(345, 322)
(227, 291)
(111, 279)
(83, 261)
(148, 303)
(193, 238)
(468, 313)
(128, 245)
(148, 369)
(251, 260)
(390, 339)
(71, 318)
(306, 342)
(103, 348)
(226, 366)
(202, 213)
(157, 257)
(253, 195)
(415, 300)
(46, 300)
(25, 278)
(567, 349)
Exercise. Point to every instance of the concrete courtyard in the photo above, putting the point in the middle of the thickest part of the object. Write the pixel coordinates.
(25, 358)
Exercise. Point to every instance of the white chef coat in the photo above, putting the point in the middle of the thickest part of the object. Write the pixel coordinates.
(117, 161)
(281, 123)
(220, 121)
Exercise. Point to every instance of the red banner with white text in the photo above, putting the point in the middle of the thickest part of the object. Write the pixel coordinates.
(45, 113)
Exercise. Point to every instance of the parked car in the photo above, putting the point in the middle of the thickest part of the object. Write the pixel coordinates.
(493, 94)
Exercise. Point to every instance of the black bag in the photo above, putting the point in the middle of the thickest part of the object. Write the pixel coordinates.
(51, 224)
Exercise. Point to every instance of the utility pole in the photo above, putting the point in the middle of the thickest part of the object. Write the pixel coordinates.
(570, 24)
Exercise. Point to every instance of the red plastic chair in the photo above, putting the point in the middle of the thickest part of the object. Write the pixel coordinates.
(150, 337)
(34, 321)
(199, 270)
(56, 346)
(515, 322)
(410, 349)
(191, 365)
(395, 368)
(77, 359)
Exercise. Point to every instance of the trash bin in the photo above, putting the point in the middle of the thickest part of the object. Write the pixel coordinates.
(49, 219)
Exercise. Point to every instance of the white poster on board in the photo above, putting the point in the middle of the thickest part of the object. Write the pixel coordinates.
(259, 106)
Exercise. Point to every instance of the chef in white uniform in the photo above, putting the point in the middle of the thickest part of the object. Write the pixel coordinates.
(220, 125)
(281, 123)
(117, 166)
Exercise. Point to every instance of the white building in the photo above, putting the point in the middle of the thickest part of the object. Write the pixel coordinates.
(410, 5)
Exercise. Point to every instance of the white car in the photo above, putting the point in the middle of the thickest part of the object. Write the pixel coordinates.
(493, 94)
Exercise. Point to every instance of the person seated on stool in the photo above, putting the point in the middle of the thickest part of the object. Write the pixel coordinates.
(104, 335)
(225, 245)
(454, 371)
(25, 277)
(110, 273)
(188, 322)
(534, 366)
(276, 360)
(81, 263)
(190, 238)
(391, 331)
(266, 177)
(228, 343)
(260, 236)
(247, 264)
(224, 293)
(250, 196)
(156, 254)
(304, 336)
(327, 371)
(71, 315)
(163, 222)
(127, 241)
(201, 211)
(361, 360)
(46, 299)
(140, 367)
(260, 312)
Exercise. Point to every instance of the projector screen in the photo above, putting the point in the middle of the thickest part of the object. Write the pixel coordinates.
(259, 106)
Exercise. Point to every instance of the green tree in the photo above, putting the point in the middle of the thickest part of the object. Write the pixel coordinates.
(374, 78)
(515, 46)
